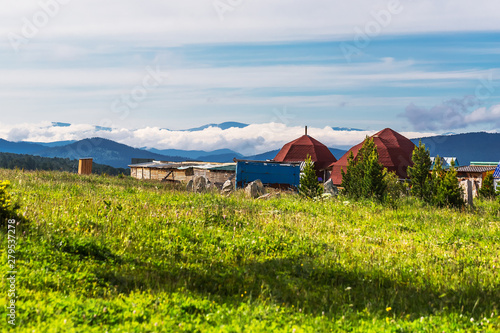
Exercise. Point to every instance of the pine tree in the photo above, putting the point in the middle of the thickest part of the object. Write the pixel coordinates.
(364, 177)
(487, 189)
(419, 172)
(448, 191)
(309, 185)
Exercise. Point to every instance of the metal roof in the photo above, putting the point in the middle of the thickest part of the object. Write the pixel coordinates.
(184, 166)
(394, 150)
(475, 168)
(484, 163)
(297, 151)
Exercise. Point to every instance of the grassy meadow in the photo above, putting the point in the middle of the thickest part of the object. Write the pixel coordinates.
(98, 253)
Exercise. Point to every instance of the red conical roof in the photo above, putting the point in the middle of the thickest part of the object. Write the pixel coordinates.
(297, 151)
(394, 152)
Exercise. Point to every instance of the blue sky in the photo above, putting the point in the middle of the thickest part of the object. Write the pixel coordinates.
(418, 67)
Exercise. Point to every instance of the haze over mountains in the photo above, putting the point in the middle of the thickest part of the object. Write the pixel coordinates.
(465, 147)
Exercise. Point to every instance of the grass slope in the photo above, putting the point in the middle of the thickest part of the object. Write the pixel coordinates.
(100, 253)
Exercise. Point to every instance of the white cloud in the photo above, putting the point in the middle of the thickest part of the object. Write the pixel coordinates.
(197, 21)
(253, 139)
(484, 116)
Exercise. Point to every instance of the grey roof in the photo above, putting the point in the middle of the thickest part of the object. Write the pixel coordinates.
(475, 168)
(184, 166)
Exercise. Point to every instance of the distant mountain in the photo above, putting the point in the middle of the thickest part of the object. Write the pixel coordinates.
(350, 129)
(104, 151)
(467, 147)
(338, 153)
(30, 162)
(193, 154)
(59, 124)
(264, 156)
(20, 147)
(224, 126)
(52, 144)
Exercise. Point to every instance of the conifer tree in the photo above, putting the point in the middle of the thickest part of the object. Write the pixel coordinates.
(448, 191)
(309, 185)
(364, 177)
(487, 189)
(419, 173)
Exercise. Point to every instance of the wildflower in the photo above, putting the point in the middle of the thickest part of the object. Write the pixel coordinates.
(388, 309)
(104, 310)
(348, 288)
(472, 320)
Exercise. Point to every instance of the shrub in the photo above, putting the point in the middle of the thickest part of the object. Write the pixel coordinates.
(309, 185)
(419, 173)
(364, 177)
(7, 206)
(447, 188)
(487, 189)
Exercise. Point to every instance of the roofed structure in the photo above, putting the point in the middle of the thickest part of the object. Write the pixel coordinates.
(297, 151)
(394, 152)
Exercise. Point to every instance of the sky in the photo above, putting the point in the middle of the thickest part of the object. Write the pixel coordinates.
(147, 69)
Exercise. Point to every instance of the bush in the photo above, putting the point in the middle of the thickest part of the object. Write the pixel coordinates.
(395, 189)
(364, 177)
(419, 173)
(7, 206)
(446, 187)
(487, 190)
(309, 185)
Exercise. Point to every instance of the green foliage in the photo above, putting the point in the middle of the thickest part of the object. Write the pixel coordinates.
(7, 206)
(487, 189)
(309, 185)
(395, 189)
(447, 191)
(419, 173)
(122, 255)
(364, 177)
(30, 162)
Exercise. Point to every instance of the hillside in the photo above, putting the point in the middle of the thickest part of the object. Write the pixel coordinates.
(465, 147)
(31, 162)
(97, 254)
(338, 153)
(104, 151)
(197, 155)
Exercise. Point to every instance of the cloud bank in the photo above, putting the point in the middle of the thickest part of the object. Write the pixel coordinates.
(253, 139)
(452, 114)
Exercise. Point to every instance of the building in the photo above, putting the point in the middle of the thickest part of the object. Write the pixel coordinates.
(475, 173)
(496, 177)
(445, 162)
(297, 151)
(394, 150)
(216, 173)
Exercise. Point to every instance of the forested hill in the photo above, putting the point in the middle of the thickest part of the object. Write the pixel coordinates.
(30, 162)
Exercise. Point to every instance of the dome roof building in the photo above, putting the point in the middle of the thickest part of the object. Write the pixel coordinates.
(394, 150)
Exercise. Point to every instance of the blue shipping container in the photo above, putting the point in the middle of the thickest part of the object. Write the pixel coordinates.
(275, 174)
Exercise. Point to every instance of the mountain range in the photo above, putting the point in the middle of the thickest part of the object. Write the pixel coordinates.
(465, 148)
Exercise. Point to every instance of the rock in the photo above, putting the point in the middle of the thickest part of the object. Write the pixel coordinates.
(255, 189)
(228, 187)
(264, 197)
(189, 186)
(330, 188)
(201, 184)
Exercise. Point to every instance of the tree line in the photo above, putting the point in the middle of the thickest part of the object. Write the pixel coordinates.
(366, 178)
(31, 162)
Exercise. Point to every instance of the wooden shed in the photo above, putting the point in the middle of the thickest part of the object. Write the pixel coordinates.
(85, 166)
(216, 173)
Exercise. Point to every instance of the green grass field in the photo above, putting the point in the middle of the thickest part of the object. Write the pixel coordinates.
(98, 254)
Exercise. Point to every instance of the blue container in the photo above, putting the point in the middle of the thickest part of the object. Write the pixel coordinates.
(273, 174)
